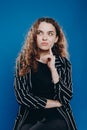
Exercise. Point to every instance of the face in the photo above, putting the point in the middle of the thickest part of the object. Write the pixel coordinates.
(46, 36)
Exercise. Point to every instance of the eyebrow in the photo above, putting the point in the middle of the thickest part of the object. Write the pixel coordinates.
(48, 31)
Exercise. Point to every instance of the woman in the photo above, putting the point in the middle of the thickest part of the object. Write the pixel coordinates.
(43, 83)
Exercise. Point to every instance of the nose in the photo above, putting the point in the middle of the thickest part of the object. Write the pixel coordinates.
(44, 38)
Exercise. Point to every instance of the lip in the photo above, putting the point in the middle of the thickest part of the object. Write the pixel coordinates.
(44, 43)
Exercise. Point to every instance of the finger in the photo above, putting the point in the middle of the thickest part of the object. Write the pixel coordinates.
(50, 50)
(49, 59)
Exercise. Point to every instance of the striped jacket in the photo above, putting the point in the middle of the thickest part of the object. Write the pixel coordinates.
(62, 91)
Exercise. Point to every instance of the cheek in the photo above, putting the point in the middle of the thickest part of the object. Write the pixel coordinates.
(52, 40)
(38, 39)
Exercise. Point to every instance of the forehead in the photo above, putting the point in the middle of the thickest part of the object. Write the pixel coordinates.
(46, 26)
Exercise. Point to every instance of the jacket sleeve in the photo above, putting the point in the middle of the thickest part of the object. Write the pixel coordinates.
(63, 89)
(25, 96)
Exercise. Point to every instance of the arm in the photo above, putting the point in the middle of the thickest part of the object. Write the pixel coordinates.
(25, 97)
(50, 61)
(63, 88)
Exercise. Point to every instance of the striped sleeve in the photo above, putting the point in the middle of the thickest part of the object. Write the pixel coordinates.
(25, 97)
(63, 89)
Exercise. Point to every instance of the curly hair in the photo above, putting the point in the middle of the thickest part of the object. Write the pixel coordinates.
(29, 52)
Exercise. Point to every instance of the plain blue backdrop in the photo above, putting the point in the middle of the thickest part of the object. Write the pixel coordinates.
(16, 17)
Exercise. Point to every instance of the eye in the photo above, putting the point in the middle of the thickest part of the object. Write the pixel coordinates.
(39, 32)
(50, 33)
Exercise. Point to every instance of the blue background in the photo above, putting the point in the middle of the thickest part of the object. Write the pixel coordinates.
(16, 17)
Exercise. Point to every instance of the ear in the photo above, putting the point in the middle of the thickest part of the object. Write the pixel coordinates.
(56, 39)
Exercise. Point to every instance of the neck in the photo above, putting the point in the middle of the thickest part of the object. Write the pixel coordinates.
(43, 52)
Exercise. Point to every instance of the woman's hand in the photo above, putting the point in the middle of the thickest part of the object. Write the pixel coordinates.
(49, 59)
(53, 103)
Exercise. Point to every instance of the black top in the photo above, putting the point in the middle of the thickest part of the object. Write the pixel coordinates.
(42, 85)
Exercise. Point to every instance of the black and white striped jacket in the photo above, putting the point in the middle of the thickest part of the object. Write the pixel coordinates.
(63, 91)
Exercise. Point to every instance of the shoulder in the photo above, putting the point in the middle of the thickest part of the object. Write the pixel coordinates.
(62, 61)
(17, 66)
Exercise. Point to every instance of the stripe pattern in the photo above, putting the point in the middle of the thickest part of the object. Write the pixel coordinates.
(62, 91)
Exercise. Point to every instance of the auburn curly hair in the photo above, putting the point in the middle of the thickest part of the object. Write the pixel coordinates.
(27, 57)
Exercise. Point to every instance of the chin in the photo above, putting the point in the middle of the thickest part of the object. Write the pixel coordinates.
(44, 49)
